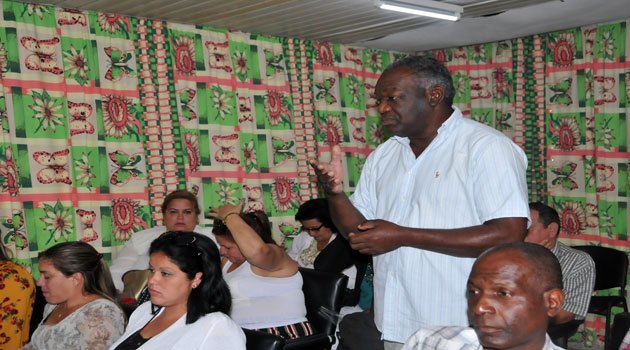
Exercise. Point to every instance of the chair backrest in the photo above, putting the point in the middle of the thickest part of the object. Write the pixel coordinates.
(323, 292)
(257, 340)
(134, 282)
(611, 266)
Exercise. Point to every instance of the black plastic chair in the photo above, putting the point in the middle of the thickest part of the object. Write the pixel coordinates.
(561, 333)
(620, 326)
(323, 295)
(611, 268)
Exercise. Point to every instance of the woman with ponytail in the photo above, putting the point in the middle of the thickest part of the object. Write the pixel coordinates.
(190, 300)
(81, 312)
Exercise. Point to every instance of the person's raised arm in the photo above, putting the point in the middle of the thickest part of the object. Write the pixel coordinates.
(268, 257)
(330, 175)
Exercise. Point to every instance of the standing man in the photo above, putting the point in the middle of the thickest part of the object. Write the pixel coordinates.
(578, 268)
(430, 199)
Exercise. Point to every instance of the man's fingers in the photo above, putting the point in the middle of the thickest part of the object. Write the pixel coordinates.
(336, 154)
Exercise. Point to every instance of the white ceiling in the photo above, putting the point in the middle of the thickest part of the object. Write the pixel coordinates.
(360, 22)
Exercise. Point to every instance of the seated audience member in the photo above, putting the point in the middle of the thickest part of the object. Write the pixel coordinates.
(17, 295)
(578, 268)
(180, 212)
(513, 290)
(319, 246)
(81, 312)
(189, 299)
(265, 282)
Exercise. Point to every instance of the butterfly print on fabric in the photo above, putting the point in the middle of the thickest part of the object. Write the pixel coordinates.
(126, 167)
(119, 63)
(563, 176)
(561, 92)
(55, 167)
(68, 17)
(87, 218)
(219, 55)
(42, 57)
(228, 153)
(79, 112)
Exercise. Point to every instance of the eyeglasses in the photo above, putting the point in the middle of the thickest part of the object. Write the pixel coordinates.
(312, 229)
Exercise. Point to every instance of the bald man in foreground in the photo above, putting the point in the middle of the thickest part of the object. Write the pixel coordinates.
(513, 290)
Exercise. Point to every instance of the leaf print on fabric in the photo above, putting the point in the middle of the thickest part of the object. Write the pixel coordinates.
(37, 10)
(605, 134)
(222, 101)
(58, 220)
(226, 193)
(374, 60)
(608, 46)
(249, 154)
(127, 218)
(240, 64)
(47, 109)
(83, 171)
(76, 64)
(55, 166)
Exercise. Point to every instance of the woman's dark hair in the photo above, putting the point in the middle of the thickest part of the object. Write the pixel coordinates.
(257, 220)
(192, 253)
(79, 257)
(316, 209)
(181, 194)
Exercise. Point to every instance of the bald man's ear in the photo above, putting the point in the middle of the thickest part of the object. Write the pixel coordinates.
(554, 299)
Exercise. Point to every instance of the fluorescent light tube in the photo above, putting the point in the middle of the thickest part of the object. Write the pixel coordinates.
(420, 10)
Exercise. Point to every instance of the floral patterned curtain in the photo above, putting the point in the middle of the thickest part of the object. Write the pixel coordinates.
(102, 115)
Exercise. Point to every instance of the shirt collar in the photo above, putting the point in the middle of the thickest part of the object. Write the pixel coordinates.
(449, 124)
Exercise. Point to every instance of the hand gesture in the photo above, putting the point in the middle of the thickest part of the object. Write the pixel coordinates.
(223, 211)
(375, 237)
(330, 175)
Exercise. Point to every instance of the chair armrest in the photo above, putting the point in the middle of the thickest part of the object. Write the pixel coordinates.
(316, 341)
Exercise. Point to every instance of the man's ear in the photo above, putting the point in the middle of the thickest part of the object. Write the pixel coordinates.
(554, 299)
(435, 95)
(552, 229)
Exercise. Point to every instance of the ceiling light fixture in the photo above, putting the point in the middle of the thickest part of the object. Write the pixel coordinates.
(426, 8)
